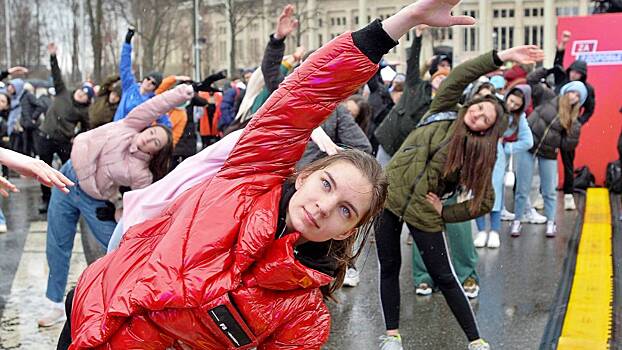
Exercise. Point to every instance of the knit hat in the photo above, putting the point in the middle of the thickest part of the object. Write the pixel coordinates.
(577, 87)
(88, 90)
(498, 82)
(440, 72)
(157, 77)
(440, 58)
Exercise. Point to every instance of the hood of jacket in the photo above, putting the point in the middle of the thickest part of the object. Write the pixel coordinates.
(526, 90)
(579, 66)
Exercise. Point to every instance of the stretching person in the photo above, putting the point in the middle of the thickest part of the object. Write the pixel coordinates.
(555, 126)
(124, 153)
(517, 138)
(243, 284)
(453, 149)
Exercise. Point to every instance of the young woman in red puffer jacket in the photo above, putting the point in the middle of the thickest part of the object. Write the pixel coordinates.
(244, 260)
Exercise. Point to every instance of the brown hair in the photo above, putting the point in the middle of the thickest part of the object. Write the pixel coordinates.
(364, 117)
(159, 164)
(567, 112)
(474, 154)
(343, 250)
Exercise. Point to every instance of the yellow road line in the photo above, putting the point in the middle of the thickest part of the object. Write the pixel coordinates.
(588, 320)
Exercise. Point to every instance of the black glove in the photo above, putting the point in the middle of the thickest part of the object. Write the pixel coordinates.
(206, 84)
(129, 35)
(106, 213)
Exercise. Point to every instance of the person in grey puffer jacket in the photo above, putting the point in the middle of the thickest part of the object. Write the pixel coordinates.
(554, 125)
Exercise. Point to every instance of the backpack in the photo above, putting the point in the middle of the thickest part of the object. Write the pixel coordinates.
(583, 178)
(613, 178)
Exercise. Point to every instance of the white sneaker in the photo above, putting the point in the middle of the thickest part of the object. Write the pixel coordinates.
(391, 342)
(352, 278)
(493, 240)
(506, 215)
(53, 316)
(539, 202)
(551, 229)
(479, 344)
(569, 202)
(2, 228)
(480, 239)
(423, 289)
(515, 229)
(533, 217)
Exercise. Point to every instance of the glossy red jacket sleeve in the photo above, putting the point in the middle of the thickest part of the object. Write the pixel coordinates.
(277, 136)
(309, 330)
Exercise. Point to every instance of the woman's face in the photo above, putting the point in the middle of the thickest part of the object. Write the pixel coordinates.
(329, 203)
(4, 103)
(573, 97)
(353, 108)
(513, 103)
(113, 98)
(151, 140)
(480, 116)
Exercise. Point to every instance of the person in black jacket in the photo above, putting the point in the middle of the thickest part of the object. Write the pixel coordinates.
(70, 108)
(577, 71)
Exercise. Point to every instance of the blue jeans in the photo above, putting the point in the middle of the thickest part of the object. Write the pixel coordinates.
(525, 162)
(2, 218)
(63, 215)
(495, 221)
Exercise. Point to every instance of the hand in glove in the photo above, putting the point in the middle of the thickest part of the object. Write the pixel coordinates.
(106, 213)
(206, 84)
(130, 34)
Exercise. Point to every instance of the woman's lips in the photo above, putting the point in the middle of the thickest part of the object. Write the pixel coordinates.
(309, 218)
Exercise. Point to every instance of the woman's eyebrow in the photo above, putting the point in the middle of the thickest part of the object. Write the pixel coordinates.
(334, 184)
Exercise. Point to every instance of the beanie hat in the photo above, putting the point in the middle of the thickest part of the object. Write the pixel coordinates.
(440, 72)
(498, 82)
(577, 87)
(157, 77)
(440, 58)
(88, 90)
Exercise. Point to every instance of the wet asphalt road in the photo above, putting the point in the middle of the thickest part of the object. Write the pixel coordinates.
(518, 284)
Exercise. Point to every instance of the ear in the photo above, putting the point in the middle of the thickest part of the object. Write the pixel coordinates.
(300, 180)
(345, 235)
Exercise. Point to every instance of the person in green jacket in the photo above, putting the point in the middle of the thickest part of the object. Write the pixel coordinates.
(452, 150)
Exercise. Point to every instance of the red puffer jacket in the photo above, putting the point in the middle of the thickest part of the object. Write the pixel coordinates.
(208, 272)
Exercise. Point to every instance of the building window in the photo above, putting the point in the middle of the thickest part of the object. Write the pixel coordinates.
(408, 36)
(343, 20)
(320, 39)
(527, 13)
(511, 13)
(368, 19)
(541, 11)
(356, 20)
(511, 37)
(534, 12)
(338, 21)
(495, 13)
(332, 21)
(319, 22)
(504, 13)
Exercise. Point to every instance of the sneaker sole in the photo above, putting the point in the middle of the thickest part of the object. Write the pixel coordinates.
(423, 293)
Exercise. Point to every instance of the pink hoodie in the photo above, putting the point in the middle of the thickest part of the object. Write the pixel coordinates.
(106, 158)
(146, 203)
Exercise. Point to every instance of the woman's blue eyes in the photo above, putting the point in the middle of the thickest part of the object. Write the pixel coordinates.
(344, 210)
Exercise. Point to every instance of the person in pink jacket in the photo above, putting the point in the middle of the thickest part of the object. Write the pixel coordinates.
(131, 152)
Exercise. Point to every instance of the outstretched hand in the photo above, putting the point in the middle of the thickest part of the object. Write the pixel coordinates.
(18, 70)
(36, 169)
(437, 13)
(6, 186)
(52, 49)
(525, 54)
(324, 142)
(286, 23)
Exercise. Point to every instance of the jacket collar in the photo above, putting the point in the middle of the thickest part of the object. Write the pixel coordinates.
(280, 269)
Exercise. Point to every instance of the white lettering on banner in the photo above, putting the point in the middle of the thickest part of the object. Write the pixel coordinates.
(586, 50)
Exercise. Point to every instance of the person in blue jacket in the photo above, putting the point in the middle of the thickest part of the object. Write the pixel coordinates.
(134, 93)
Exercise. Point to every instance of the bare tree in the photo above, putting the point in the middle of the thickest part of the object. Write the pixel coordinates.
(95, 14)
(157, 25)
(75, 42)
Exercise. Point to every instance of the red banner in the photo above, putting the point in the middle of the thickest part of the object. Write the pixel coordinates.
(597, 39)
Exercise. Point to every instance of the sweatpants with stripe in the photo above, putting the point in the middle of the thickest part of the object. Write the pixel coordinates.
(433, 249)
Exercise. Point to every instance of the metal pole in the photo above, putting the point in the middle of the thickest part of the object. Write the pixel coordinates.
(197, 48)
(7, 33)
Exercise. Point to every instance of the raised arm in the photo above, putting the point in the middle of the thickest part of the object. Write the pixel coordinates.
(147, 112)
(125, 64)
(273, 55)
(57, 77)
(539, 93)
(412, 64)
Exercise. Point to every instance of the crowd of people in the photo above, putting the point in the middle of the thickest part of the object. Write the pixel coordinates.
(232, 209)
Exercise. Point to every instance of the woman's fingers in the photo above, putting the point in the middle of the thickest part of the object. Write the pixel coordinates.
(462, 20)
(6, 186)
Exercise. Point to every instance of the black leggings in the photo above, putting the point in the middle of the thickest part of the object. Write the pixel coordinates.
(64, 341)
(436, 259)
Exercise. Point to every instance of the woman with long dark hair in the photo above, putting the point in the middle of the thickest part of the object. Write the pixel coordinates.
(131, 152)
(453, 149)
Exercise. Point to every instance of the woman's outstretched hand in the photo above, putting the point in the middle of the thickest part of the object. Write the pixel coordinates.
(435, 13)
(526, 54)
(323, 141)
(34, 168)
(6, 186)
